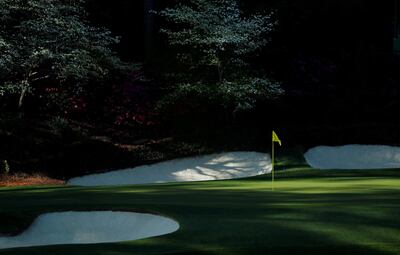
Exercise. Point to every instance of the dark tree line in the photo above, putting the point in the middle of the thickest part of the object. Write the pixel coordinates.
(336, 53)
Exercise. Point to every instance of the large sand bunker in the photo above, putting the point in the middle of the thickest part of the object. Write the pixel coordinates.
(222, 166)
(354, 157)
(90, 227)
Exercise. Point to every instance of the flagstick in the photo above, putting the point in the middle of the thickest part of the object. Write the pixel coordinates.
(273, 163)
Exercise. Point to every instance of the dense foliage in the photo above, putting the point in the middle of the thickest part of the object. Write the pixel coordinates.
(49, 50)
(62, 69)
(212, 40)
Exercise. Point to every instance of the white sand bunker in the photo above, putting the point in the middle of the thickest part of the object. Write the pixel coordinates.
(354, 157)
(231, 165)
(90, 227)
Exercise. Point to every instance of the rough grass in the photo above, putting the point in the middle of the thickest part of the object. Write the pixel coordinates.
(310, 212)
(22, 179)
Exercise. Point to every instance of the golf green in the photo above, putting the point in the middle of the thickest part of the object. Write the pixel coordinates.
(309, 212)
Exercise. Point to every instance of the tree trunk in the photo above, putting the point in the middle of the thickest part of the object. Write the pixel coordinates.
(149, 29)
(396, 28)
(220, 72)
(22, 95)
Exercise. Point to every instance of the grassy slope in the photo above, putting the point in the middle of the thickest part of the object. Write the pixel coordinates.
(310, 212)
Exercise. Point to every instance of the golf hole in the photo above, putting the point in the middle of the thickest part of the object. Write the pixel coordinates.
(354, 157)
(90, 228)
(232, 165)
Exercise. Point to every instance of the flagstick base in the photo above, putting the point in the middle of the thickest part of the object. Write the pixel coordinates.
(273, 166)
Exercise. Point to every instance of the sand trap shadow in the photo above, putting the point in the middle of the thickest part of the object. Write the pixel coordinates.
(222, 166)
(89, 228)
(354, 157)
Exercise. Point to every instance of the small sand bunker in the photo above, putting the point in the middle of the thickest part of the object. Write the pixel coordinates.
(231, 165)
(354, 157)
(89, 228)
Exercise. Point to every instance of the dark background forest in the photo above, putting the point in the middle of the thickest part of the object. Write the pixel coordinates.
(336, 61)
(335, 54)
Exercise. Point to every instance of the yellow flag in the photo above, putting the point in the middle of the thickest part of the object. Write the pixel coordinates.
(275, 138)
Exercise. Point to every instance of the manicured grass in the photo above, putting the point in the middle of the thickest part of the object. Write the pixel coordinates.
(310, 212)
